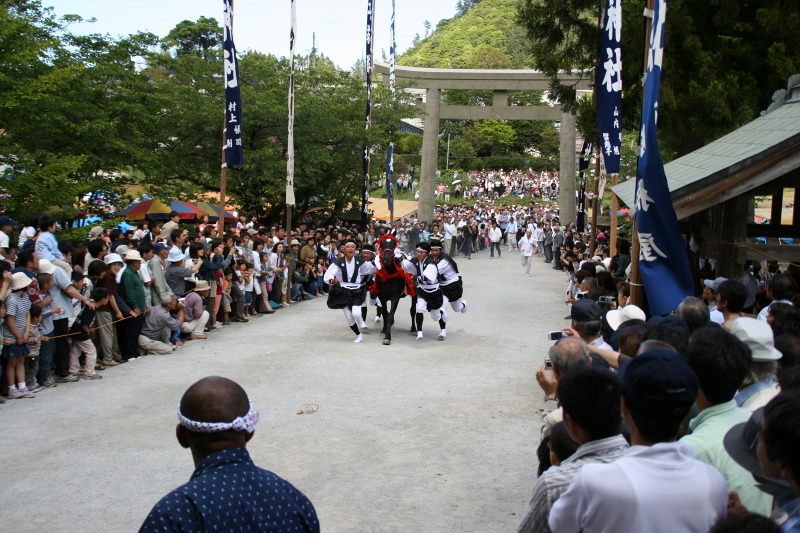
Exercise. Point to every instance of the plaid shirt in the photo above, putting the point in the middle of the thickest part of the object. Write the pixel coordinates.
(557, 478)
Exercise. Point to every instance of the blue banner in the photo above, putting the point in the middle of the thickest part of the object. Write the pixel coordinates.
(608, 86)
(663, 262)
(233, 98)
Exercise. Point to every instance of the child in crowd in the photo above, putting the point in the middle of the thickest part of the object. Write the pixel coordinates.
(250, 291)
(320, 273)
(34, 346)
(47, 346)
(81, 335)
(246, 284)
(16, 331)
(227, 282)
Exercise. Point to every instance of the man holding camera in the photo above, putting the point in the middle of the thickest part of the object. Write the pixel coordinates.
(156, 321)
(587, 321)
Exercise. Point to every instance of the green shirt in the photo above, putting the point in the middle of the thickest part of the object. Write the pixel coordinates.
(706, 441)
(131, 289)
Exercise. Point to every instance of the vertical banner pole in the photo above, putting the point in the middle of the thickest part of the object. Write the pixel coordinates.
(232, 127)
(390, 151)
(368, 115)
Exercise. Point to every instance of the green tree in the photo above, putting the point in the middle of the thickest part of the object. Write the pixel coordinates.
(198, 38)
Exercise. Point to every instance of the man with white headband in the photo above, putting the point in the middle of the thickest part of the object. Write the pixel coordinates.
(347, 276)
(429, 295)
(449, 279)
(215, 421)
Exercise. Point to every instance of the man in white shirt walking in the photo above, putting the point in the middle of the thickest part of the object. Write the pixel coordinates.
(527, 247)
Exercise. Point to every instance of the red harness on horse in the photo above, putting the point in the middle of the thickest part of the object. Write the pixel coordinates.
(383, 275)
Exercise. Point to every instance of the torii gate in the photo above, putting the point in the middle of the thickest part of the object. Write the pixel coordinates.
(433, 80)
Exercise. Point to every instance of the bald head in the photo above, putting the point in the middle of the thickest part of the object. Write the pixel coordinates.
(214, 399)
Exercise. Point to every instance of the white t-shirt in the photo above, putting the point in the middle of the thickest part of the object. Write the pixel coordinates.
(3, 240)
(28, 232)
(658, 489)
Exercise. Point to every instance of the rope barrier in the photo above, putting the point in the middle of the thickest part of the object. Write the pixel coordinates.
(45, 339)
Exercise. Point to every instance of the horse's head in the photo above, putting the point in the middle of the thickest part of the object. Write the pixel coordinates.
(387, 257)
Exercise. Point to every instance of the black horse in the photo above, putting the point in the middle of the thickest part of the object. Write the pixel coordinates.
(390, 281)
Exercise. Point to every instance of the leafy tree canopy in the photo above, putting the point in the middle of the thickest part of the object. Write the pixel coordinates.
(722, 61)
(79, 119)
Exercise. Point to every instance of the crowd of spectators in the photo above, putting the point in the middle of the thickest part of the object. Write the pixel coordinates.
(686, 422)
(70, 312)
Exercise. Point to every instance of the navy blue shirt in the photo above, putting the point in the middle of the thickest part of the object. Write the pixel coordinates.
(227, 492)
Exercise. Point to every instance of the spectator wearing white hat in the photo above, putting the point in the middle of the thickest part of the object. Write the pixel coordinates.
(760, 385)
(177, 273)
(131, 289)
(710, 290)
(16, 331)
(62, 294)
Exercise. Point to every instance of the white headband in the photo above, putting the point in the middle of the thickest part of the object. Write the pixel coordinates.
(242, 423)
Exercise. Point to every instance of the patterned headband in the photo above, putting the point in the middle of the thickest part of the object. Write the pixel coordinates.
(242, 423)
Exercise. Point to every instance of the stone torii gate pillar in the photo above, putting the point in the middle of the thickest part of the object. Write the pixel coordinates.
(434, 80)
(430, 153)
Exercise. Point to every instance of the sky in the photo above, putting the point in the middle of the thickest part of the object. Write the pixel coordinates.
(340, 25)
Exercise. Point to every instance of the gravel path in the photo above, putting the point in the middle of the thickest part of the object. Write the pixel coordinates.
(419, 436)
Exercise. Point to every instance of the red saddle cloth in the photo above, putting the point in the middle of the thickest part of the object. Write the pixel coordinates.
(383, 275)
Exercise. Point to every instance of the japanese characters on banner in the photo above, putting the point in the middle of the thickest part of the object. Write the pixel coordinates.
(233, 99)
(290, 144)
(608, 86)
(663, 262)
(365, 186)
(390, 151)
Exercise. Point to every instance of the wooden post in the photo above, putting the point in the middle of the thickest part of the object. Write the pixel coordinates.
(614, 208)
(222, 183)
(595, 203)
(289, 247)
(637, 289)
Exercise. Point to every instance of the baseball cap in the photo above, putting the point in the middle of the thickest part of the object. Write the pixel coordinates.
(758, 336)
(160, 247)
(6, 220)
(715, 283)
(659, 382)
(584, 310)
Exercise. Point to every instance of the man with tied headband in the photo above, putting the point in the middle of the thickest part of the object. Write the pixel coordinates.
(449, 279)
(347, 276)
(227, 492)
(429, 295)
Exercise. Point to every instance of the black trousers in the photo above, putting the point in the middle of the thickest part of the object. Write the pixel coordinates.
(129, 336)
(61, 356)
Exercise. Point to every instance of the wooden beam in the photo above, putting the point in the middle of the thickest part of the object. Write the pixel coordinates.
(495, 112)
(772, 232)
(771, 252)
